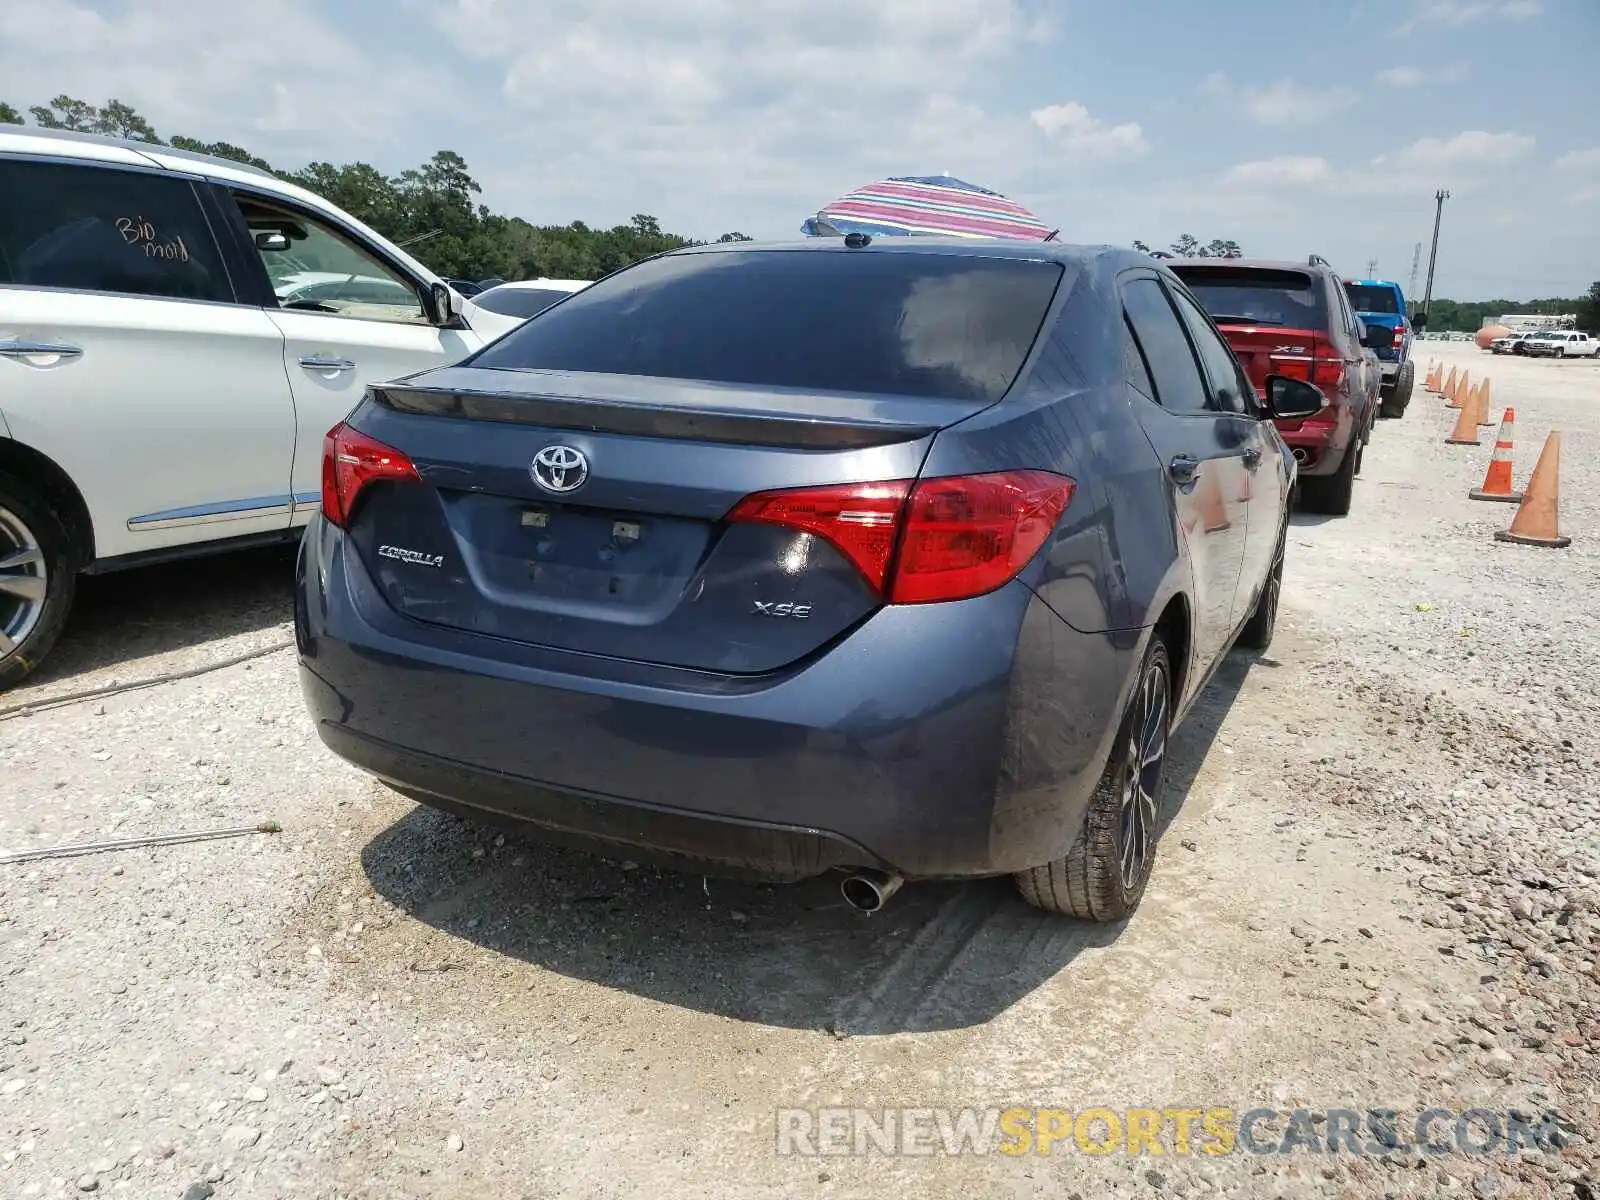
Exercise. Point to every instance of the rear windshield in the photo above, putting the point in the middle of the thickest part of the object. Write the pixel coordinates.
(518, 302)
(948, 326)
(1251, 296)
(1366, 298)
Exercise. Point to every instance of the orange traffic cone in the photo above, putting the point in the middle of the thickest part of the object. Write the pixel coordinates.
(1213, 512)
(1497, 479)
(1483, 404)
(1458, 398)
(1465, 432)
(1450, 385)
(1433, 384)
(1536, 523)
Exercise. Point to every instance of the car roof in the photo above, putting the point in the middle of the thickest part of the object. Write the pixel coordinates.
(1058, 252)
(552, 285)
(67, 143)
(1247, 264)
(1388, 283)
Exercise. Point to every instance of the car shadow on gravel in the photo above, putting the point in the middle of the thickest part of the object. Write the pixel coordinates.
(938, 956)
(132, 614)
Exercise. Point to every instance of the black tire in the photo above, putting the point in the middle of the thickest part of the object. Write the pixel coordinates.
(1258, 630)
(1332, 494)
(1397, 401)
(1561, 352)
(33, 546)
(1103, 876)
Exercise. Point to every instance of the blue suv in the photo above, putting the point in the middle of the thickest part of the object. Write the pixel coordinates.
(1381, 304)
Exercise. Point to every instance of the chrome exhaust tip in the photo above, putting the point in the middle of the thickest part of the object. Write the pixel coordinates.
(1300, 454)
(868, 891)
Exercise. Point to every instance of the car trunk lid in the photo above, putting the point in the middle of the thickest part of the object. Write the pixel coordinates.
(637, 559)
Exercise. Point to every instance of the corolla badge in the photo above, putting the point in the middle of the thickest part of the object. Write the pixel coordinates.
(560, 469)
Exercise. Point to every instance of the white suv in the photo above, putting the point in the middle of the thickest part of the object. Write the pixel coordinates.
(177, 334)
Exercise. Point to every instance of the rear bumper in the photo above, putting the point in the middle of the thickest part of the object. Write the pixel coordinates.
(1318, 449)
(937, 740)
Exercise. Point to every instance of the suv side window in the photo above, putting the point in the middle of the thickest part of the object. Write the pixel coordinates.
(322, 269)
(1179, 386)
(1221, 366)
(104, 229)
(1134, 369)
(1352, 324)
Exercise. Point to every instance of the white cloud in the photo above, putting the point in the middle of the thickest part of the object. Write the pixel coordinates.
(1454, 13)
(1471, 149)
(1582, 162)
(1282, 103)
(1071, 126)
(1285, 171)
(271, 72)
(1414, 77)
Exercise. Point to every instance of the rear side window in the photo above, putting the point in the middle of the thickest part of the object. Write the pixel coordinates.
(949, 326)
(1371, 299)
(1179, 386)
(518, 302)
(1257, 296)
(105, 230)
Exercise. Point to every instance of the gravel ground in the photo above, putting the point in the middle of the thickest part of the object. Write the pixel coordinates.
(1379, 891)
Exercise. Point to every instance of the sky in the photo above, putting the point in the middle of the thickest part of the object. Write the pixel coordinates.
(1291, 127)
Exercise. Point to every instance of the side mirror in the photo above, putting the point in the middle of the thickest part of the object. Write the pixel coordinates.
(1419, 319)
(1293, 399)
(272, 239)
(439, 304)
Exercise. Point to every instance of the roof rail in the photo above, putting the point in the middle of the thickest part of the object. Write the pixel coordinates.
(1316, 260)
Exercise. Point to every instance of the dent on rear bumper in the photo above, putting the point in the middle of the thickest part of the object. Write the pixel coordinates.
(939, 740)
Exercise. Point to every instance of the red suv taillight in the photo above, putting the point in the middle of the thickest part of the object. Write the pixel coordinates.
(1399, 342)
(948, 538)
(350, 461)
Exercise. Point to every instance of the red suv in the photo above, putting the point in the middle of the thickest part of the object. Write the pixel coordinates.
(1290, 318)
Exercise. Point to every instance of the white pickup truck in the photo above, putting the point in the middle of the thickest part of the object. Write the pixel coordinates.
(1562, 343)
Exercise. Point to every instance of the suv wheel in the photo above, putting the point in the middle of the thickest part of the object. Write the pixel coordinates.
(36, 582)
(1396, 402)
(1332, 494)
(1103, 876)
(1561, 351)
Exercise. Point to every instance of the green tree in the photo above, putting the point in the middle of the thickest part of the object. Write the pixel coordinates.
(117, 119)
(735, 237)
(220, 150)
(1589, 309)
(1189, 246)
(64, 112)
(9, 115)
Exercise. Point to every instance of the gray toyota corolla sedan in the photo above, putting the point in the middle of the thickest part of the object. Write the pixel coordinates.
(899, 558)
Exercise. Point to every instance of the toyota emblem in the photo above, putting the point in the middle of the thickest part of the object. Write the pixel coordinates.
(560, 469)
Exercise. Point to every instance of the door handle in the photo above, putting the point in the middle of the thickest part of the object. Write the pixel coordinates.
(1183, 468)
(17, 348)
(1252, 458)
(321, 362)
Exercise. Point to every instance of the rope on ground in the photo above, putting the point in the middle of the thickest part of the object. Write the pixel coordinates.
(28, 708)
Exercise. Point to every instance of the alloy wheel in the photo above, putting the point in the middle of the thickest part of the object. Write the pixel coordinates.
(24, 581)
(1141, 787)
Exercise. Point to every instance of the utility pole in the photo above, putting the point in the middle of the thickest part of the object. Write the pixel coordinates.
(1411, 288)
(1372, 268)
(1439, 198)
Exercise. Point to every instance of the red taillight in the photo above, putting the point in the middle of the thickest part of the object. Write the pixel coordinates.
(1399, 342)
(943, 539)
(860, 519)
(350, 461)
(1291, 365)
(1327, 372)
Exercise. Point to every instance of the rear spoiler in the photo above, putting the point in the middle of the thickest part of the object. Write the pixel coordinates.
(678, 409)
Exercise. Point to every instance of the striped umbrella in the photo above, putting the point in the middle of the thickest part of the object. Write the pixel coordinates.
(930, 204)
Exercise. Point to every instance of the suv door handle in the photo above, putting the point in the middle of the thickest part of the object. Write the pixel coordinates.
(1183, 469)
(1252, 457)
(17, 348)
(319, 362)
